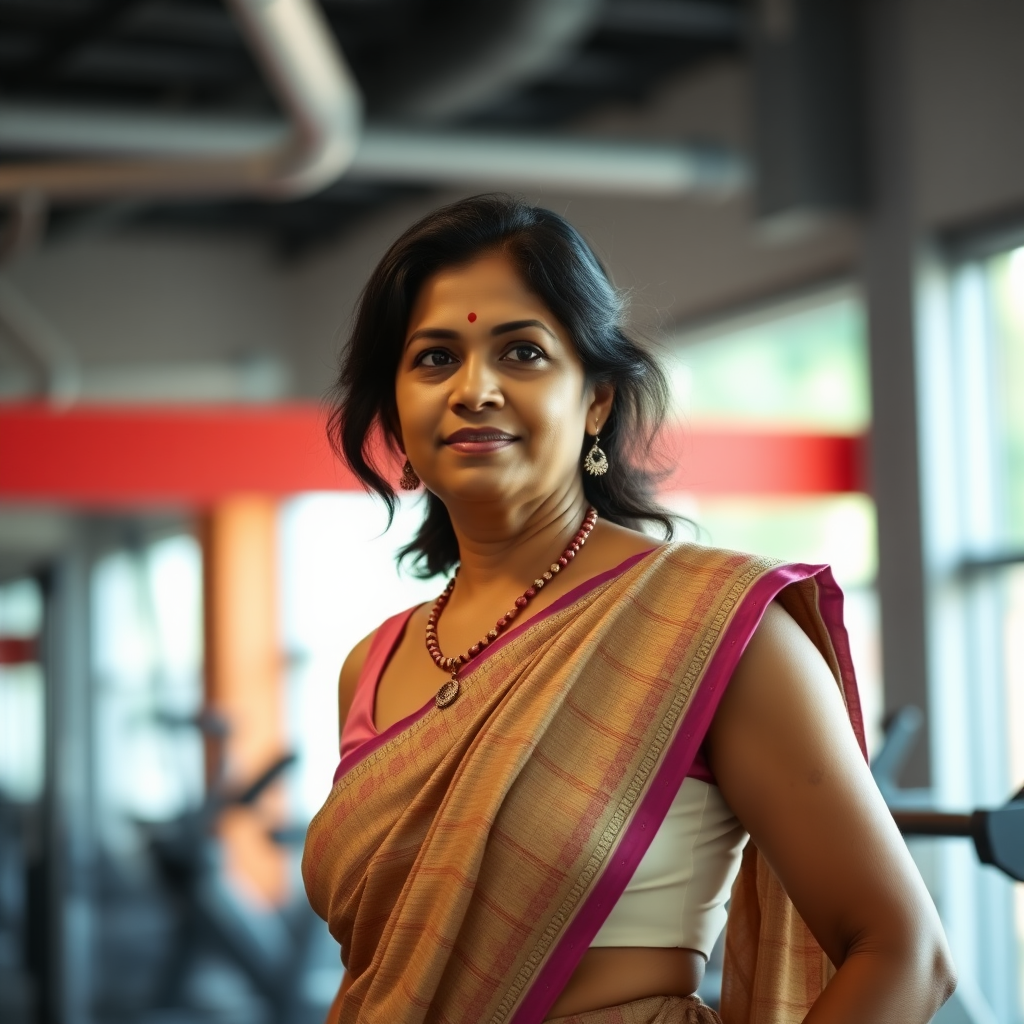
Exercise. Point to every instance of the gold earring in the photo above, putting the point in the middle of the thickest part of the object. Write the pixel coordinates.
(410, 481)
(596, 462)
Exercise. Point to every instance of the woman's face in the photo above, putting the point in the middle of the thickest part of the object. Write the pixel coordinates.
(492, 398)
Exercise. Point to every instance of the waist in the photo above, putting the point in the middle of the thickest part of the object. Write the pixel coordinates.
(609, 976)
(650, 1010)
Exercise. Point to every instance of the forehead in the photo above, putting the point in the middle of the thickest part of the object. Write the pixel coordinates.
(490, 287)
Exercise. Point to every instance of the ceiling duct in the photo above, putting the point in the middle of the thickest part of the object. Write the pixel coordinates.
(295, 50)
(575, 163)
(419, 156)
(81, 154)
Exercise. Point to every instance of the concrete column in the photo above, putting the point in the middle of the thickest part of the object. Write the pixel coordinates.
(60, 897)
(888, 275)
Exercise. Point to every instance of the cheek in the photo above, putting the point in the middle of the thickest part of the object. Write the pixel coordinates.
(560, 416)
(412, 414)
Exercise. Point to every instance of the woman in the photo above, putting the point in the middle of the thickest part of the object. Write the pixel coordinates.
(541, 817)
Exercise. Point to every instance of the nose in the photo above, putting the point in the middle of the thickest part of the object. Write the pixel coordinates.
(475, 386)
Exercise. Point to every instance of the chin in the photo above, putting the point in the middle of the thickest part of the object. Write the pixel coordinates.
(481, 495)
(478, 487)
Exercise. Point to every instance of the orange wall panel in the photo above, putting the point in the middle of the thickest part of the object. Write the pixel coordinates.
(244, 677)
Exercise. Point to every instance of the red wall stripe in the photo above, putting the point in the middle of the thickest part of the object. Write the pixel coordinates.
(17, 650)
(748, 462)
(121, 455)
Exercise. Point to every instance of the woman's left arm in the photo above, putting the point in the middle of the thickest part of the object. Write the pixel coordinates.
(788, 764)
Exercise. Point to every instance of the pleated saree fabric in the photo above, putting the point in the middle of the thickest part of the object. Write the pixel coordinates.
(466, 857)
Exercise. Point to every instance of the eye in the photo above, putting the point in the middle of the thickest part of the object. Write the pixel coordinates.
(525, 352)
(434, 358)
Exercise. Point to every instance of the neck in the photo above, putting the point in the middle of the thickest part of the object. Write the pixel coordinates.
(506, 547)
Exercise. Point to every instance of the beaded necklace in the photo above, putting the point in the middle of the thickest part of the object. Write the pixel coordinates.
(450, 690)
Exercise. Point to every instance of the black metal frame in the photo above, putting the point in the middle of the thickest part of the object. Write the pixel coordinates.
(998, 833)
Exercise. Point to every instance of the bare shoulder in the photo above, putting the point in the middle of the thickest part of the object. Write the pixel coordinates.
(612, 543)
(349, 676)
(781, 651)
(784, 694)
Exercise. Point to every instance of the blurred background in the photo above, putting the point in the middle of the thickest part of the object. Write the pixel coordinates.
(817, 211)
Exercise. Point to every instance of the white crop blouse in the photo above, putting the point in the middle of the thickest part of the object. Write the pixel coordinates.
(678, 892)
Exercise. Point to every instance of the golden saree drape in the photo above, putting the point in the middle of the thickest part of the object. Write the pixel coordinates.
(466, 858)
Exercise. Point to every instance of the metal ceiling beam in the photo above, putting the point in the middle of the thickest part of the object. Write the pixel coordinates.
(295, 49)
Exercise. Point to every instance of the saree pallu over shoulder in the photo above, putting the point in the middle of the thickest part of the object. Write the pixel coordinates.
(466, 862)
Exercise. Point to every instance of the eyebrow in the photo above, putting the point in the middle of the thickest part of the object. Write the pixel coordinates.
(432, 332)
(443, 334)
(518, 325)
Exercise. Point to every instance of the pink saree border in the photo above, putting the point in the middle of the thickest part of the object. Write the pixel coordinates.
(350, 760)
(653, 806)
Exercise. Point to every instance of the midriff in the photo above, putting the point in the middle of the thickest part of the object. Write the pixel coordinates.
(611, 975)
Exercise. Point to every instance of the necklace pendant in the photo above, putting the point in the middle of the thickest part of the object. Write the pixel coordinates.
(448, 693)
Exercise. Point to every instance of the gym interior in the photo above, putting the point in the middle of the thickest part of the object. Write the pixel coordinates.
(816, 212)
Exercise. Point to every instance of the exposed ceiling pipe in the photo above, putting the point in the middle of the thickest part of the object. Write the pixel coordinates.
(21, 324)
(24, 228)
(604, 166)
(436, 157)
(96, 154)
(44, 129)
(295, 49)
(24, 327)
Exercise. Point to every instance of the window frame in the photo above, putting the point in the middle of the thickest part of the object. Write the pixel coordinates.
(966, 560)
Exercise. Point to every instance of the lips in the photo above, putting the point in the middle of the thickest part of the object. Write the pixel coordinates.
(478, 440)
(478, 434)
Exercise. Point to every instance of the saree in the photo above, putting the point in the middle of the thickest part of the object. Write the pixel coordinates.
(466, 857)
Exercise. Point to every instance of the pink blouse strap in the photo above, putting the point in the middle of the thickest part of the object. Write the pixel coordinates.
(359, 727)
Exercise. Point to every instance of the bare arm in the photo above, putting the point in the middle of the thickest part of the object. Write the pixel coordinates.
(787, 762)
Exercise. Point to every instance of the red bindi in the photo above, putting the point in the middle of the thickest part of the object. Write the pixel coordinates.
(471, 318)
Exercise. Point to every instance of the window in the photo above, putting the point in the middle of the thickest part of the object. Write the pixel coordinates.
(991, 294)
(796, 366)
(147, 651)
(971, 359)
(1005, 274)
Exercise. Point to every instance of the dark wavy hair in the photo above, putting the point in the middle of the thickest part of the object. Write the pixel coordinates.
(560, 268)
